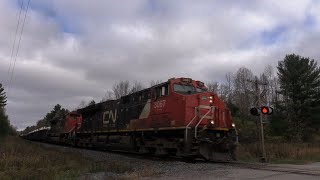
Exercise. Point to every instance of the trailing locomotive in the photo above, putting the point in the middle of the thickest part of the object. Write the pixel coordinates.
(178, 117)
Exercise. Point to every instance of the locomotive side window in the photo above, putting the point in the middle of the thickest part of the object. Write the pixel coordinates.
(145, 94)
(161, 91)
(164, 90)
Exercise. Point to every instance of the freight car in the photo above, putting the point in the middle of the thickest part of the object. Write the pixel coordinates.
(178, 117)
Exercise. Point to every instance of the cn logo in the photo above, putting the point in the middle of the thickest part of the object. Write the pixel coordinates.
(109, 115)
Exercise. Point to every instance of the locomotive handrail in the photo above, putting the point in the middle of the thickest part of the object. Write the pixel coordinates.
(195, 115)
(196, 127)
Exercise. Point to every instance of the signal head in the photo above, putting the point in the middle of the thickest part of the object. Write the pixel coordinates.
(266, 110)
(254, 111)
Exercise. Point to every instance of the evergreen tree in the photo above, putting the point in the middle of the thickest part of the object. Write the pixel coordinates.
(299, 79)
(4, 122)
(56, 114)
(3, 98)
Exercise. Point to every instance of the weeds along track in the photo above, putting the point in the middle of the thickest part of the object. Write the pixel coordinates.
(236, 164)
(271, 167)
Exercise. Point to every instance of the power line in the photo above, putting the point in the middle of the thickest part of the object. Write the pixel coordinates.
(15, 59)
(14, 41)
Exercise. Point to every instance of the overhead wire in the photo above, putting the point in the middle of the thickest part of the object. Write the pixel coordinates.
(18, 47)
(14, 41)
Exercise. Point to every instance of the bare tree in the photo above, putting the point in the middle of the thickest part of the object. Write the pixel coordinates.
(273, 86)
(108, 96)
(243, 90)
(153, 82)
(137, 86)
(229, 84)
(213, 86)
(121, 88)
(223, 92)
(92, 102)
(82, 104)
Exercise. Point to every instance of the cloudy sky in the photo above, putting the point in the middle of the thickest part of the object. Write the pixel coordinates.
(77, 49)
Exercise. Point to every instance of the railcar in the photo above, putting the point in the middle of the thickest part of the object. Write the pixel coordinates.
(178, 117)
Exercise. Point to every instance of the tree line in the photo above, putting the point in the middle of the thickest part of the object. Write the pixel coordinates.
(293, 90)
(5, 127)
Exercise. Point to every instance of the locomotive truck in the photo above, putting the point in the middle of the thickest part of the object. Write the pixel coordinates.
(178, 117)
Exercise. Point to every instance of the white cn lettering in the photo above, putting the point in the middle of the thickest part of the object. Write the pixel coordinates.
(108, 115)
(112, 116)
(105, 117)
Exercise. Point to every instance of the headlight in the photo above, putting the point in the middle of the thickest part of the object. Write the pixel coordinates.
(210, 97)
(212, 122)
(210, 101)
(233, 125)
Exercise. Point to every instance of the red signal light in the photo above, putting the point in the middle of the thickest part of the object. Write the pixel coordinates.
(266, 110)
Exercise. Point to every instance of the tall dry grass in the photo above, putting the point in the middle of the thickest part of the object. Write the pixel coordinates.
(281, 152)
(20, 159)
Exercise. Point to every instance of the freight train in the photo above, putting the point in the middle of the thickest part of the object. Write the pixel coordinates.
(178, 117)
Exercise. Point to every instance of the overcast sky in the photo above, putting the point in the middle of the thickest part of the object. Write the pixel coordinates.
(73, 50)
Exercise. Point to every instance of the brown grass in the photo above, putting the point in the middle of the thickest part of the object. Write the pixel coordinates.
(22, 159)
(281, 152)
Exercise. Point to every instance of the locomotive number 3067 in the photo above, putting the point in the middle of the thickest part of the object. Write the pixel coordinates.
(160, 104)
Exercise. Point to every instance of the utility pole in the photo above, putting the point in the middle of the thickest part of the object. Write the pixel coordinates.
(259, 104)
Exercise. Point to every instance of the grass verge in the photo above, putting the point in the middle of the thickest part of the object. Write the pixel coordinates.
(281, 152)
(22, 159)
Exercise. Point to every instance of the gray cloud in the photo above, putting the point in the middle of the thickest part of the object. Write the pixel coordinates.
(75, 50)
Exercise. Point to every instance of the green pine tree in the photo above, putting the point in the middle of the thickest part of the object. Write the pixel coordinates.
(3, 98)
(299, 79)
(56, 114)
(4, 122)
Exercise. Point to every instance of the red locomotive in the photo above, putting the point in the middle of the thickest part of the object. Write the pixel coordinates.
(178, 117)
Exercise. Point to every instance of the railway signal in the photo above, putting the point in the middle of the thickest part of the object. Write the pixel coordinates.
(266, 110)
(263, 110)
(255, 112)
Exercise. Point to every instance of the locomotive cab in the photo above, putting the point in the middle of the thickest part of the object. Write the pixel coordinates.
(205, 118)
(194, 101)
(72, 122)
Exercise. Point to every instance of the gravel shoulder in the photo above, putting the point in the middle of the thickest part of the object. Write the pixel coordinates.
(123, 166)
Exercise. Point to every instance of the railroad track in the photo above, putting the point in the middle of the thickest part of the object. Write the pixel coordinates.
(237, 164)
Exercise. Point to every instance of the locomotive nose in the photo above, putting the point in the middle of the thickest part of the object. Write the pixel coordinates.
(206, 99)
(206, 109)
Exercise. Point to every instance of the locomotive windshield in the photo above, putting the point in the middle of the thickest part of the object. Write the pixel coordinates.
(74, 115)
(199, 90)
(184, 89)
